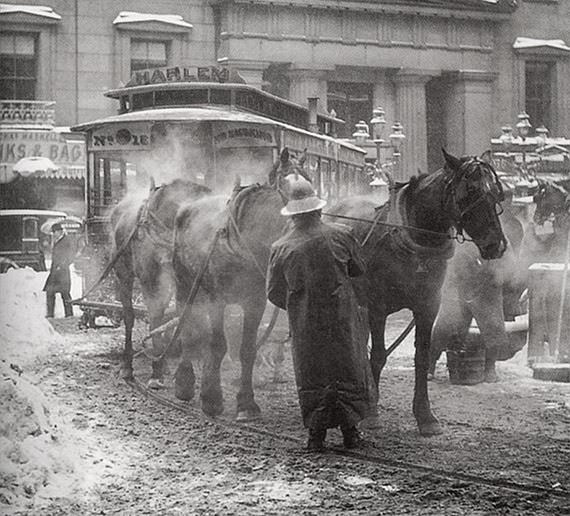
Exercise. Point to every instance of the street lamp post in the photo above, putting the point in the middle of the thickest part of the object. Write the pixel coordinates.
(523, 127)
(378, 123)
(397, 139)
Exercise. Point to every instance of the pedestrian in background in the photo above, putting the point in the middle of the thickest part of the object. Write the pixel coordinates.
(309, 276)
(59, 279)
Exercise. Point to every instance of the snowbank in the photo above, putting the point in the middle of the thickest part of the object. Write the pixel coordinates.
(36, 460)
(24, 332)
(40, 454)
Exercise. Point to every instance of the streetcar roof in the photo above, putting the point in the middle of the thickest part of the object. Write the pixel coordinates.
(31, 213)
(183, 85)
(196, 113)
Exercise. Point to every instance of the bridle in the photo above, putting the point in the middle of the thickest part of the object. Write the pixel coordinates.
(556, 210)
(451, 201)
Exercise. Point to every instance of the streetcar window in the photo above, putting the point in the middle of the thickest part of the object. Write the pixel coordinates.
(30, 228)
(222, 97)
(181, 97)
(325, 178)
(142, 100)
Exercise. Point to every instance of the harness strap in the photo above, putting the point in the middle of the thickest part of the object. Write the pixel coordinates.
(243, 243)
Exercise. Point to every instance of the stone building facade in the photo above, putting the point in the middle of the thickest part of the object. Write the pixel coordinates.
(452, 71)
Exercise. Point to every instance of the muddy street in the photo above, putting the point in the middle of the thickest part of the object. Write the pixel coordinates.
(505, 445)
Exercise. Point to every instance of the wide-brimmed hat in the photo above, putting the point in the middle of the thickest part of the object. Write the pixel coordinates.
(302, 197)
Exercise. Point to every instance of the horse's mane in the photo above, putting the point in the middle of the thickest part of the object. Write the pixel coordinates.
(412, 183)
(242, 198)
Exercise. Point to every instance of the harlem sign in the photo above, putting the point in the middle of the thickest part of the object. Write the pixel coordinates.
(185, 74)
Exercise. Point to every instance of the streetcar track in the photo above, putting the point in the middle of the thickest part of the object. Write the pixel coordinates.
(356, 455)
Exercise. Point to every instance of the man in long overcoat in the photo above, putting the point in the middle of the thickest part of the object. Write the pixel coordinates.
(59, 279)
(309, 276)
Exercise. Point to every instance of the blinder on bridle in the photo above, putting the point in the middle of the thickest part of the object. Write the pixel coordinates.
(458, 188)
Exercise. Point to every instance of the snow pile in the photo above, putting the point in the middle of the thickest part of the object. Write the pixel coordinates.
(24, 331)
(39, 454)
(32, 466)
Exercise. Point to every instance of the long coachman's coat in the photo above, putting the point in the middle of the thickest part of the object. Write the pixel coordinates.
(309, 276)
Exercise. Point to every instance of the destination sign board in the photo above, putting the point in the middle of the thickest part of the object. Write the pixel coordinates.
(235, 135)
(185, 74)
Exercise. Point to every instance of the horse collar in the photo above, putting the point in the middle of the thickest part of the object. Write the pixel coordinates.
(401, 237)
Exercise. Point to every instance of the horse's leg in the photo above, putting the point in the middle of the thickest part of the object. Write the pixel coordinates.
(195, 330)
(211, 392)
(253, 310)
(184, 377)
(427, 422)
(378, 357)
(124, 283)
(156, 292)
(278, 356)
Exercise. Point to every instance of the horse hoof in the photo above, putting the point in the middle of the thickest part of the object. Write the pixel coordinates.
(370, 423)
(491, 377)
(430, 429)
(127, 374)
(244, 416)
(212, 409)
(430, 377)
(184, 394)
(155, 383)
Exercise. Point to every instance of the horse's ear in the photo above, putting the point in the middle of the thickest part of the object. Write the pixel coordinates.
(284, 157)
(152, 187)
(452, 162)
(487, 157)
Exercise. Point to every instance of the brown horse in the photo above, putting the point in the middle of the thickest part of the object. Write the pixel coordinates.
(247, 225)
(406, 261)
(144, 236)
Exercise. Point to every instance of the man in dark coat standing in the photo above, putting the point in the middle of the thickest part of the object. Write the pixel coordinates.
(309, 276)
(59, 280)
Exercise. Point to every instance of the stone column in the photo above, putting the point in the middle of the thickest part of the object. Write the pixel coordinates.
(469, 120)
(307, 83)
(411, 112)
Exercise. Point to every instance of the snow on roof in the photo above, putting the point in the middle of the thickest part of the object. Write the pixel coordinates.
(132, 17)
(36, 10)
(521, 43)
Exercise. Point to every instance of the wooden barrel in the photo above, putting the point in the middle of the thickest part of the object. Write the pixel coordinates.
(467, 366)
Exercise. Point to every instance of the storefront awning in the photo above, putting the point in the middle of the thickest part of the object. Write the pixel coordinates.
(33, 10)
(129, 18)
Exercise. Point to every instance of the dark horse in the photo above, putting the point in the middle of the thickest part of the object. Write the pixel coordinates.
(143, 233)
(235, 274)
(406, 261)
(485, 290)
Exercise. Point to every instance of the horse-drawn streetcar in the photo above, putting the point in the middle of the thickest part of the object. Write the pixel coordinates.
(209, 128)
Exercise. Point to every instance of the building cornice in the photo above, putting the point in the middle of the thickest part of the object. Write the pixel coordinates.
(469, 9)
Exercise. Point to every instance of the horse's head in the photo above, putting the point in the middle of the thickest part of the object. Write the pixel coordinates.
(552, 201)
(287, 165)
(473, 194)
